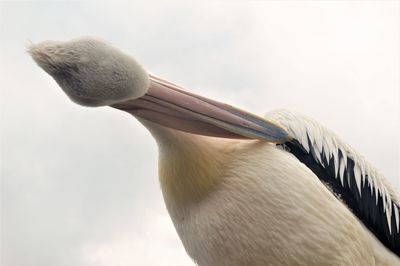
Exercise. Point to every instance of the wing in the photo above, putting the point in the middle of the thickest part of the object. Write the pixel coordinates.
(346, 173)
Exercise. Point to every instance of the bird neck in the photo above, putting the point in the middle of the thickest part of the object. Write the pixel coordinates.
(190, 166)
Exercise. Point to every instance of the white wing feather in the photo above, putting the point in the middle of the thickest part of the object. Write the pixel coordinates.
(323, 140)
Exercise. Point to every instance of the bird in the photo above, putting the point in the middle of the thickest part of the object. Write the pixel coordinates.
(241, 189)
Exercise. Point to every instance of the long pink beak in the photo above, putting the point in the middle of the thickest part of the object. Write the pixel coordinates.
(167, 104)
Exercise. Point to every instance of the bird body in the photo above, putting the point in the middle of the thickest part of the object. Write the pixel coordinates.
(241, 189)
(248, 202)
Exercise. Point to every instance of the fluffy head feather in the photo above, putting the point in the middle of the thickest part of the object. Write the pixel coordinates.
(91, 72)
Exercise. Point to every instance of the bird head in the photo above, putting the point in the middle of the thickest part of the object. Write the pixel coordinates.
(94, 73)
(91, 72)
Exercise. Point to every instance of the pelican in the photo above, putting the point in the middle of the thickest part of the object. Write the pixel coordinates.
(241, 189)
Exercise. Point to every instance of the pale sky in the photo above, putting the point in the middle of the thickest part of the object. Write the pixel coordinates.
(79, 185)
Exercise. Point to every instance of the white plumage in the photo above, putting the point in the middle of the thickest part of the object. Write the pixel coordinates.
(266, 206)
(282, 190)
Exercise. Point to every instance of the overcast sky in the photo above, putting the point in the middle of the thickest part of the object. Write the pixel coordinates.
(79, 185)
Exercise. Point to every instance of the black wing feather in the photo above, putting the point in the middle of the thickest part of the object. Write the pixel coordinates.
(363, 204)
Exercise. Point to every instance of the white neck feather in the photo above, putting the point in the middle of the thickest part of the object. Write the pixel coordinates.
(189, 165)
